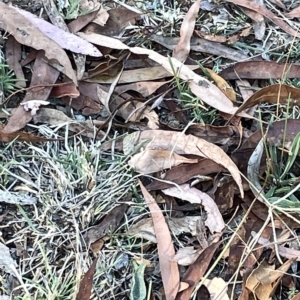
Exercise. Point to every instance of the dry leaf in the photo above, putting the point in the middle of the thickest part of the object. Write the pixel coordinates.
(150, 161)
(261, 70)
(214, 219)
(272, 94)
(268, 14)
(66, 40)
(182, 49)
(294, 13)
(168, 268)
(27, 34)
(222, 85)
(199, 85)
(187, 255)
(217, 288)
(202, 45)
(196, 271)
(86, 284)
(184, 144)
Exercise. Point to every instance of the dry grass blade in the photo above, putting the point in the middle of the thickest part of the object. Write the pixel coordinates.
(169, 269)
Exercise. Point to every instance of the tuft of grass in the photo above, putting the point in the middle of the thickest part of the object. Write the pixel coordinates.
(7, 78)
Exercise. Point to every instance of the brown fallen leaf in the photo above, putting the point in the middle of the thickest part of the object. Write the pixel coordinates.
(182, 49)
(296, 297)
(278, 3)
(150, 161)
(294, 13)
(263, 281)
(86, 284)
(199, 85)
(145, 88)
(66, 40)
(21, 136)
(261, 70)
(214, 219)
(222, 85)
(119, 18)
(106, 226)
(217, 287)
(11, 21)
(63, 90)
(273, 94)
(196, 271)
(268, 14)
(183, 173)
(183, 144)
(13, 57)
(80, 22)
(168, 268)
(202, 45)
(43, 73)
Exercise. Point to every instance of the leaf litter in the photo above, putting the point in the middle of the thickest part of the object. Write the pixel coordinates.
(192, 137)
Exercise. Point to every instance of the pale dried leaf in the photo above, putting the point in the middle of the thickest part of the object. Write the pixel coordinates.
(66, 40)
(217, 288)
(214, 219)
(253, 171)
(186, 144)
(182, 49)
(17, 198)
(186, 256)
(150, 161)
(7, 264)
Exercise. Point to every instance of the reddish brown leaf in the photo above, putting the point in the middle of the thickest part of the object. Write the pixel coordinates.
(273, 94)
(261, 70)
(196, 271)
(182, 174)
(85, 289)
(183, 144)
(13, 56)
(64, 90)
(43, 73)
(21, 136)
(169, 268)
